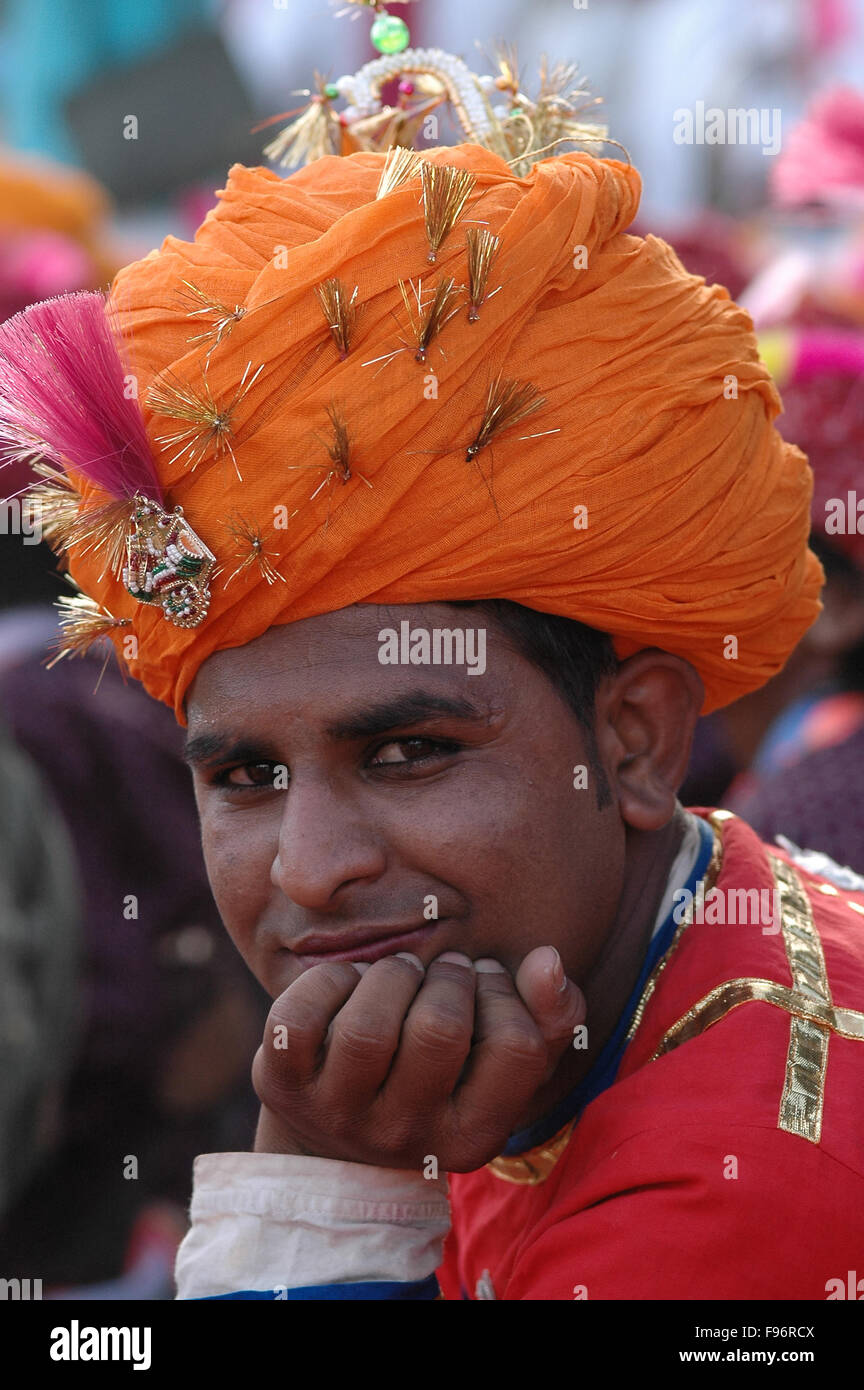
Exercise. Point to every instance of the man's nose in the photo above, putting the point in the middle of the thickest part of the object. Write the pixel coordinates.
(324, 843)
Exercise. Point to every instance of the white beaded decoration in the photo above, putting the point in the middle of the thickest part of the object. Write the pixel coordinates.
(362, 88)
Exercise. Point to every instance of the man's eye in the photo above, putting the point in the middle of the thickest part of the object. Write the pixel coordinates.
(249, 775)
(401, 751)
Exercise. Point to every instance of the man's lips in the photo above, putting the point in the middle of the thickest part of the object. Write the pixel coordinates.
(366, 944)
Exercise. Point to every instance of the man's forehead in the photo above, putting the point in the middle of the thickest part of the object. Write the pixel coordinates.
(347, 660)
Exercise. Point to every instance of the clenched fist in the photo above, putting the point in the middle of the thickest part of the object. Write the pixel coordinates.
(388, 1063)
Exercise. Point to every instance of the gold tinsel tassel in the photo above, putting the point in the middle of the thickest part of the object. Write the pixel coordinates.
(222, 317)
(56, 502)
(340, 311)
(482, 249)
(314, 133)
(210, 425)
(445, 192)
(250, 550)
(400, 165)
(104, 529)
(339, 447)
(339, 451)
(427, 320)
(83, 623)
(508, 402)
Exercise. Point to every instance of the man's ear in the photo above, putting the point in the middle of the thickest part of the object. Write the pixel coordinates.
(646, 714)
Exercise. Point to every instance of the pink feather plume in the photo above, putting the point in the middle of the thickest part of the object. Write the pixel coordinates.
(62, 396)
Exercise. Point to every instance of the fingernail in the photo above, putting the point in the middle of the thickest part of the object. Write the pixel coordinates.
(406, 955)
(489, 967)
(456, 958)
(361, 966)
(556, 969)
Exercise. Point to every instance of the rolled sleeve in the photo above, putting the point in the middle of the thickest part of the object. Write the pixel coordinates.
(265, 1224)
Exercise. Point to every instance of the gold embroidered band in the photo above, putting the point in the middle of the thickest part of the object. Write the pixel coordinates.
(534, 1166)
(803, 1096)
(808, 1002)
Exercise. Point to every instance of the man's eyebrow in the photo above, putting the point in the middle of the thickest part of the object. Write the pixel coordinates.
(402, 711)
(205, 748)
(366, 722)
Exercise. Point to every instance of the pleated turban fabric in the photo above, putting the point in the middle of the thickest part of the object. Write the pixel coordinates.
(649, 496)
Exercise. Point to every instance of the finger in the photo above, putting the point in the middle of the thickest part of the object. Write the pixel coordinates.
(293, 1047)
(508, 1060)
(436, 1035)
(365, 1033)
(554, 1002)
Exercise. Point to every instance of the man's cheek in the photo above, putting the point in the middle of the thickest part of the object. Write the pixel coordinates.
(237, 881)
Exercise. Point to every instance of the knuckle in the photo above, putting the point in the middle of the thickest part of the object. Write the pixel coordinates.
(293, 1032)
(521, 1045)
(270, 1083)
(363, 1039)
(332, 974)
(438, 1028)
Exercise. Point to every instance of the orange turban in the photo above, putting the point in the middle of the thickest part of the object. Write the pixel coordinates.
(656, 420)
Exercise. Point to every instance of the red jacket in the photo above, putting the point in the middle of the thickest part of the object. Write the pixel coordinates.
(727, 1159)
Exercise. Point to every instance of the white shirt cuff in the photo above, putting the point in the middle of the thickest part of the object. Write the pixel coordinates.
(269, 1222)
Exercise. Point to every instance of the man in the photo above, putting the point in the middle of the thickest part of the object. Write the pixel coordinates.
(446, 839)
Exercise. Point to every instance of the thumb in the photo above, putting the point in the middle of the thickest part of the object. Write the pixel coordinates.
(555, 1003)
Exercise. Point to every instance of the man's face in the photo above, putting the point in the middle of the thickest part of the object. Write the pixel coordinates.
(411, 789)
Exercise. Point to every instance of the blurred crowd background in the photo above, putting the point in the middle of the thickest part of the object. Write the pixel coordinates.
(127, 1021)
